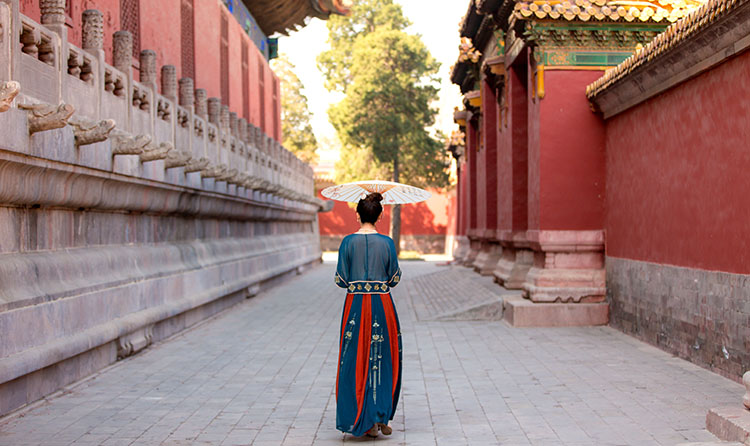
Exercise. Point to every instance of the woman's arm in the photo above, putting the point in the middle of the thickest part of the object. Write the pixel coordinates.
(342, 267)
(394, 272)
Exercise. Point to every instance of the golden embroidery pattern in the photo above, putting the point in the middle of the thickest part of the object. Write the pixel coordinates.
(376, 359)
(348, 336)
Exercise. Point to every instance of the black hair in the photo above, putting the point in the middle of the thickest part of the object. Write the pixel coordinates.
(369, 208)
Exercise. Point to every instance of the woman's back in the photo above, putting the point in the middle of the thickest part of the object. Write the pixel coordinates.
(367, 262)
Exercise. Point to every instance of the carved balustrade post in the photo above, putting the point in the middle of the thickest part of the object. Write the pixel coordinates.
(233, 124)
(53, 12)
(243, 130)
(201, 103)
(214, 111)
(148, 69)
(122, 42)
(53, 17)
(224, 118)
(251, 135)
(187, 93)
(169, 82)
(92, 36)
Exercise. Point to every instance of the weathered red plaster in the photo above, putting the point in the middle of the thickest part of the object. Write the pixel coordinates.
(566, 156)
(677, 174)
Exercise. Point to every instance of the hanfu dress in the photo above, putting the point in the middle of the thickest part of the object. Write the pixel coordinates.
(369, 368)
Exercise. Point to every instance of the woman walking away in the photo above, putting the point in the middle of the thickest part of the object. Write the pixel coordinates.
(369, 375)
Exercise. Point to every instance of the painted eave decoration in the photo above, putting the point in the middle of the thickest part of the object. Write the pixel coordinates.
(655, 11)
(676, 33)
(282, 16)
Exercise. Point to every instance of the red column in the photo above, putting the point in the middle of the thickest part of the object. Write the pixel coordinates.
(565, 190)
(513, 170)
(489, 107)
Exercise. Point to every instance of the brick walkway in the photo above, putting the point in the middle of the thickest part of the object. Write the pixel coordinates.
(263, 373)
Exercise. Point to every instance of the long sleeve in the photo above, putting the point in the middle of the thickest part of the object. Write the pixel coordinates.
(394, 272)
(342, 268)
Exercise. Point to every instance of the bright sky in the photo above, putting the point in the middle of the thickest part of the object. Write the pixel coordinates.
(438, 27)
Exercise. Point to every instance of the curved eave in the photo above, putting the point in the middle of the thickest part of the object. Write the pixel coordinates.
(282, 16)
(471, 21)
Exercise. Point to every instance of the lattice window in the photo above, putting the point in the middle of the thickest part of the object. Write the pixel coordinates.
(130, 20)
(224, 59)
(245, 81)
(187, 32)
(262, 83)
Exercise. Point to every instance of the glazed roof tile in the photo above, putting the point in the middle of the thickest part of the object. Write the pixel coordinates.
(675, 34)
(654, 11)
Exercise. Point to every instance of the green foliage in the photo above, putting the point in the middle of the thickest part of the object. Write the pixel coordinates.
(344, 31)
(390, 80)
(382, 122)
(296, 129)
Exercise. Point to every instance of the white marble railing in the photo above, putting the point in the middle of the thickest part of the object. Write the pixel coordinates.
(173, 134)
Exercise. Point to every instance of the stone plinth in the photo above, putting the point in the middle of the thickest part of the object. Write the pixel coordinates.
(461, 248)
(475, 247)
(520, 312)
(729, 423)
(516, 260)
(487, 258)
(568, 266)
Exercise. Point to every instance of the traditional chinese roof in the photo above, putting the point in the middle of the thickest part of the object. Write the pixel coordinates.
(696, 21)
(653, 11)
(282, 16)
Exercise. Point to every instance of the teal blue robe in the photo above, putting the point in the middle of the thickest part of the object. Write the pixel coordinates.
(369, 368)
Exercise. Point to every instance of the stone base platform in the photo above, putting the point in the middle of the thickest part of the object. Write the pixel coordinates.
(520, 312)
(729, 423)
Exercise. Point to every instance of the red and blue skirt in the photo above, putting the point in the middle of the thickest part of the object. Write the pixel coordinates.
(369, 368)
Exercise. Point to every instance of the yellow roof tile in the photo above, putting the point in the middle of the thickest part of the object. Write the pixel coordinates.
(689, 24)
(604, 10)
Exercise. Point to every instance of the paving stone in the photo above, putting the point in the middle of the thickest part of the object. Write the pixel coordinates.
(264, 373)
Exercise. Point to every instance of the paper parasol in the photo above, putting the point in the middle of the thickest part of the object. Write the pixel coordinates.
(393, 193)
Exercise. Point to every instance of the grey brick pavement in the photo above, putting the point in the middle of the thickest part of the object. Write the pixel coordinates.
(263, 373)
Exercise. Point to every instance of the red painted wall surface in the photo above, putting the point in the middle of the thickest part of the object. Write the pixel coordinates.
(160, 31)
(430, 217)
(489, 133)
(471, 161)
(677, 174)
(566, 155)
(517, 147)
(207, 18)
(462, 200)
(480, 153)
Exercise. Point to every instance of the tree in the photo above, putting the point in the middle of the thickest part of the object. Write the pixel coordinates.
(343, 31)
(389, 78)
(297, 132)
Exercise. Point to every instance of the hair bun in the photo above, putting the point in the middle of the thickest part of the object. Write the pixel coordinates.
(376, 197)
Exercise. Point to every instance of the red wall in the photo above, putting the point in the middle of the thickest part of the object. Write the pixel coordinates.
(677, 174)
(566, 155)
(430, 217)
(160, 31)
(489, 133)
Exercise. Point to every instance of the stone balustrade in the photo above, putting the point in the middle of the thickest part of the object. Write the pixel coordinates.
(129, 209)
(51, 71)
